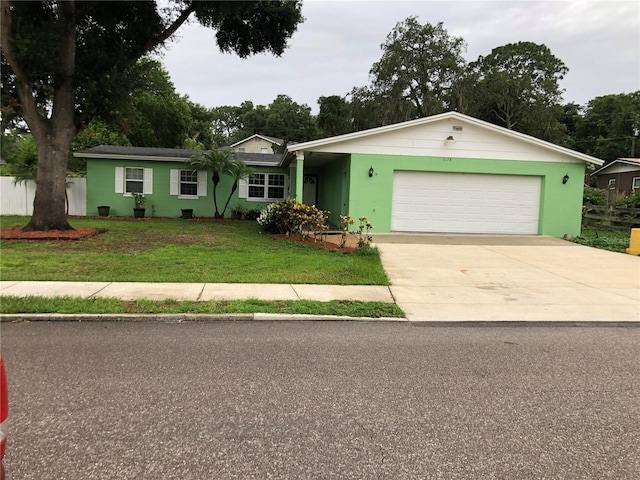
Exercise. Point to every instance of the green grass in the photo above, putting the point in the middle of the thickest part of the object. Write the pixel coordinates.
(615, 241)
(31, 304)
(175, 250)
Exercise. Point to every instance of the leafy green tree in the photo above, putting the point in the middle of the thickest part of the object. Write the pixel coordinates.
(227, 121)
(22, 157)
(219, 163)
(283, 118)
(367, 109)
(158, 116)
(518, 88)
(201, 128)
(419, 66)
(335, 116)
(608, 127)
(64, 63)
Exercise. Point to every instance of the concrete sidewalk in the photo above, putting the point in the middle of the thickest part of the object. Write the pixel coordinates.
(198, 291)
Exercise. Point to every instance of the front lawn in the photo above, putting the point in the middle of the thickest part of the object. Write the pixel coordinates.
(176, 250)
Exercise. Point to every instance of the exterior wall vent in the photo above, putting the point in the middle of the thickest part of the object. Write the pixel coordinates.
(457, 128)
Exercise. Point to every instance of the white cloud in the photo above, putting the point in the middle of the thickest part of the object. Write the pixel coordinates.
(336, 46)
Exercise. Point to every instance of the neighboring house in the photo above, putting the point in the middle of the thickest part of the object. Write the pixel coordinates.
(115, 173)
(444, 173)
(620, 177)
(255, 144)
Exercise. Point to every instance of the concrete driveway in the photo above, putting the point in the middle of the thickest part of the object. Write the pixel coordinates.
(508, 278)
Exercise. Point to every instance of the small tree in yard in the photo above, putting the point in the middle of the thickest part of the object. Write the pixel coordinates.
(239, 171)
(220, 163)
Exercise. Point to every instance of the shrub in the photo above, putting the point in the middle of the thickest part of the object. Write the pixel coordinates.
(630, 201)
(292, 217)
(252, 214)
(594, 196)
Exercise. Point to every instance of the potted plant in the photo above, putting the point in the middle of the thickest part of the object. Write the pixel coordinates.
(140, 201)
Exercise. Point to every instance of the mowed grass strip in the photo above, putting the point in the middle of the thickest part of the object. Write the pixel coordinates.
(77, 305)
(176, 250)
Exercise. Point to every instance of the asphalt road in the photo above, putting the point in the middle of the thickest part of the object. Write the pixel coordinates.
(321, 400)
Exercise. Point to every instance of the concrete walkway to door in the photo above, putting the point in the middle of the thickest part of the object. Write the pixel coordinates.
(508, 278)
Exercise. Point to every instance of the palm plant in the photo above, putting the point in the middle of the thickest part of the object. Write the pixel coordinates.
(239, 171)
(217, 161)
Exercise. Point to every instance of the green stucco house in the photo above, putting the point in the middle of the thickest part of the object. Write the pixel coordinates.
(447, 173)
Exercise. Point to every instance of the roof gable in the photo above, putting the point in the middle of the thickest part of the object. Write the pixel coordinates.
(277, 141)
(450, 134)
(620, 165)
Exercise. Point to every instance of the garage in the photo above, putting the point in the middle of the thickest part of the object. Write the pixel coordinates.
(465, 203)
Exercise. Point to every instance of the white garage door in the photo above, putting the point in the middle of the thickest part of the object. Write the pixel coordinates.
(465, 203)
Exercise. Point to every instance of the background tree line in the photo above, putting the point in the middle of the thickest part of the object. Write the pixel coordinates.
(422, 72)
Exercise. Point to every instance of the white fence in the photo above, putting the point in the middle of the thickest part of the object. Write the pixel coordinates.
(17, 199)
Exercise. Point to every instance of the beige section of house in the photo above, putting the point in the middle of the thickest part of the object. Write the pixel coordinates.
(254, 144)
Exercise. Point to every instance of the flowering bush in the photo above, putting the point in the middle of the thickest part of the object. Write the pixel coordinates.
(291, 217)
(346, 221)
(364, 239)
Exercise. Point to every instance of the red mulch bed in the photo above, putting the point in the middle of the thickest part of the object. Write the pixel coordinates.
(16, 233)
(311, 241)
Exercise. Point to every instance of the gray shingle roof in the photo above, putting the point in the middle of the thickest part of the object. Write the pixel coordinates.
(140, 151)
(264, 159)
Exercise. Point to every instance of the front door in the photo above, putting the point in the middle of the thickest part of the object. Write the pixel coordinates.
(310, 190)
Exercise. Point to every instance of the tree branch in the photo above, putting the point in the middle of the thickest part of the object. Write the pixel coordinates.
(159, 39)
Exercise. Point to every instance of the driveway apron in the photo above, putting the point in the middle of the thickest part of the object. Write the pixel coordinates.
(508, 278)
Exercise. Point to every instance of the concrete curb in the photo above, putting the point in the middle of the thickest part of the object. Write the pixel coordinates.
(277, 317)
(185, 317)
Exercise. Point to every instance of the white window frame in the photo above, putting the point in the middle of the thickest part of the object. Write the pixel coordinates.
(175, 182)
(635, 184)
(245, 184)
(121, 180)
(611, 184)
(128, 180)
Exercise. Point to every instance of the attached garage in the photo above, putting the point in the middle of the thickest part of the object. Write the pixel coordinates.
(448, 173)
(465, 203)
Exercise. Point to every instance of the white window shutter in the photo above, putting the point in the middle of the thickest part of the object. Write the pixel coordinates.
(148, 181)
(119, 179)
(202, 183)
(174, 182)
(243, 188)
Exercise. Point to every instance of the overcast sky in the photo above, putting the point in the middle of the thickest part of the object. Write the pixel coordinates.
(335, 47)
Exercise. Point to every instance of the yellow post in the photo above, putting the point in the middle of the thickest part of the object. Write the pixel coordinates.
(634, 243)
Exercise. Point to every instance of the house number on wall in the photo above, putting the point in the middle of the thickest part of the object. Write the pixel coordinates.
(446, 159)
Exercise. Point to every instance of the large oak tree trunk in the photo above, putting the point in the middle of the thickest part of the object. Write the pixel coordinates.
(49, 205)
